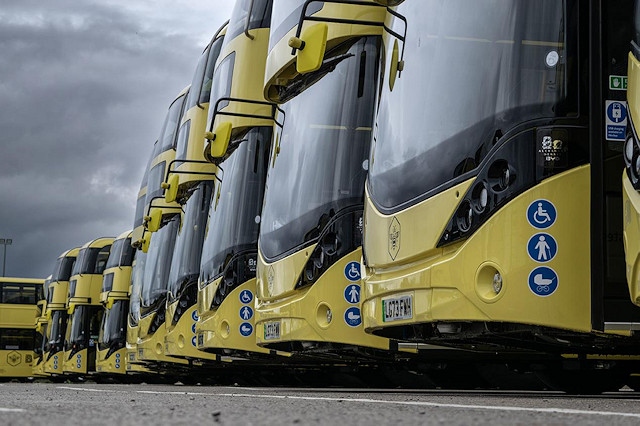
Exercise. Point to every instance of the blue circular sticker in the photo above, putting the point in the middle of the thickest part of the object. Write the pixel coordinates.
(543, 281)
(352, 293)
(117, 365)
(542, 247)
(193, 328)
(246, 329)
(246, 296)
(194, 315)
(193, 341)
(246, 313)
(541, 214)
(352, 316)
(352, 271)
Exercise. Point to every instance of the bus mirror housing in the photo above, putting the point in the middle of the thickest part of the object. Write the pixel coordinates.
(396, 65)
(171, 188)
(153, 220)
(144, 246)
(310, 47)
(219, 140)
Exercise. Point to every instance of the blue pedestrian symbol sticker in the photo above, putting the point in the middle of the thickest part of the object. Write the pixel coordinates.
(246, 296)
(246, 313)
(352, 316)
(194, 315)
(352, 293)
(542, 247)
(246, 329)
(541, 214)
(352, 271)
(543, 281)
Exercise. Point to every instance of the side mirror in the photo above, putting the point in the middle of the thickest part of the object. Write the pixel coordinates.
(171, 188)
(144, 246)
(310, 47)
(218, 140)
(154, 219)
(396, 65)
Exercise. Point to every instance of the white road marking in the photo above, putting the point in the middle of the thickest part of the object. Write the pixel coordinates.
(11, 410)
(382, 401)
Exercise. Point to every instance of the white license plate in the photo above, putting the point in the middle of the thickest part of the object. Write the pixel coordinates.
(272, 330)
(397, 308)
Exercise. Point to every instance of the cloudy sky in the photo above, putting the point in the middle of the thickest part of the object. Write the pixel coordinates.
(84, 86)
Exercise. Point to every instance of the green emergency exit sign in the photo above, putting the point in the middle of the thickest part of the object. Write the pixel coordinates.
(617, 82)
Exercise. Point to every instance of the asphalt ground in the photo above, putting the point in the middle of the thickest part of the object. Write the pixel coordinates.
(149, 404)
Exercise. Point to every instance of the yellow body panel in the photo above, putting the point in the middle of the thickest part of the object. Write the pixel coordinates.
(223, 328)
(180, 340)
(151, 348)
(17, 316)
(250, 58)
(631, 236)
(454, 283)
(281, 64)
(77, 363)
(631, 197)
(316, 313)
(37, 370)
(115, 364)
(16, 363)
(54, 364)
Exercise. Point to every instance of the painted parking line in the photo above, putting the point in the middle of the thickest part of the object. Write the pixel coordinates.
(11, 410)
(548, 410)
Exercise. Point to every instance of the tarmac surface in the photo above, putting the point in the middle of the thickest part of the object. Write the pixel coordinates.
(146, 404)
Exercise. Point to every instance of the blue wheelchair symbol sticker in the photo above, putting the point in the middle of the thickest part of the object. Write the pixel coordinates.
(246, 329)
(543, 281)
(194, 315)
(352, 271)
(542, 247)
(246, 313)
(352, 293)
(541, 214)
(352, 316)
(246, 296)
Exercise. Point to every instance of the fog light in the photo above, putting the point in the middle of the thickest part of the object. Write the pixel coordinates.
(497, 282)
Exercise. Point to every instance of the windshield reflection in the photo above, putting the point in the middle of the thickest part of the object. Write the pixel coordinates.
(446, 111)
(234, 216)
(322, 164)
(156, 270)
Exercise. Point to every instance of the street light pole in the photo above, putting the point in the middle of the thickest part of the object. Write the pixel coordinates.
(5, 242)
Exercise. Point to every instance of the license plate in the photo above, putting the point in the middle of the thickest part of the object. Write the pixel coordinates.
(398, 308)
(271, 330)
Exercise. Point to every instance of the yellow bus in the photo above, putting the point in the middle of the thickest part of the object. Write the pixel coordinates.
(18, 309)
(157, 210)
(241, 121)
(150, 343)
(84, 308)
(191, 166)
(138, 234)
(309, 278)
(42, 323)
(114, 297)
(493, 214)
(57, 316)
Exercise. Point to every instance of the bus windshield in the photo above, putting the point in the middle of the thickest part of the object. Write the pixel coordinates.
(234, 216)
(185, 265)
(63, 268)
(113, 331)
(58, 329)
(156, 270)
(468, 78)
(121, 253)
(137, 274)
(324, 148)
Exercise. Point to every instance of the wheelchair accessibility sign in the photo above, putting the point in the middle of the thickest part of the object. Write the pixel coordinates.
(541, 214)
(543, 281)
(352, 271)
